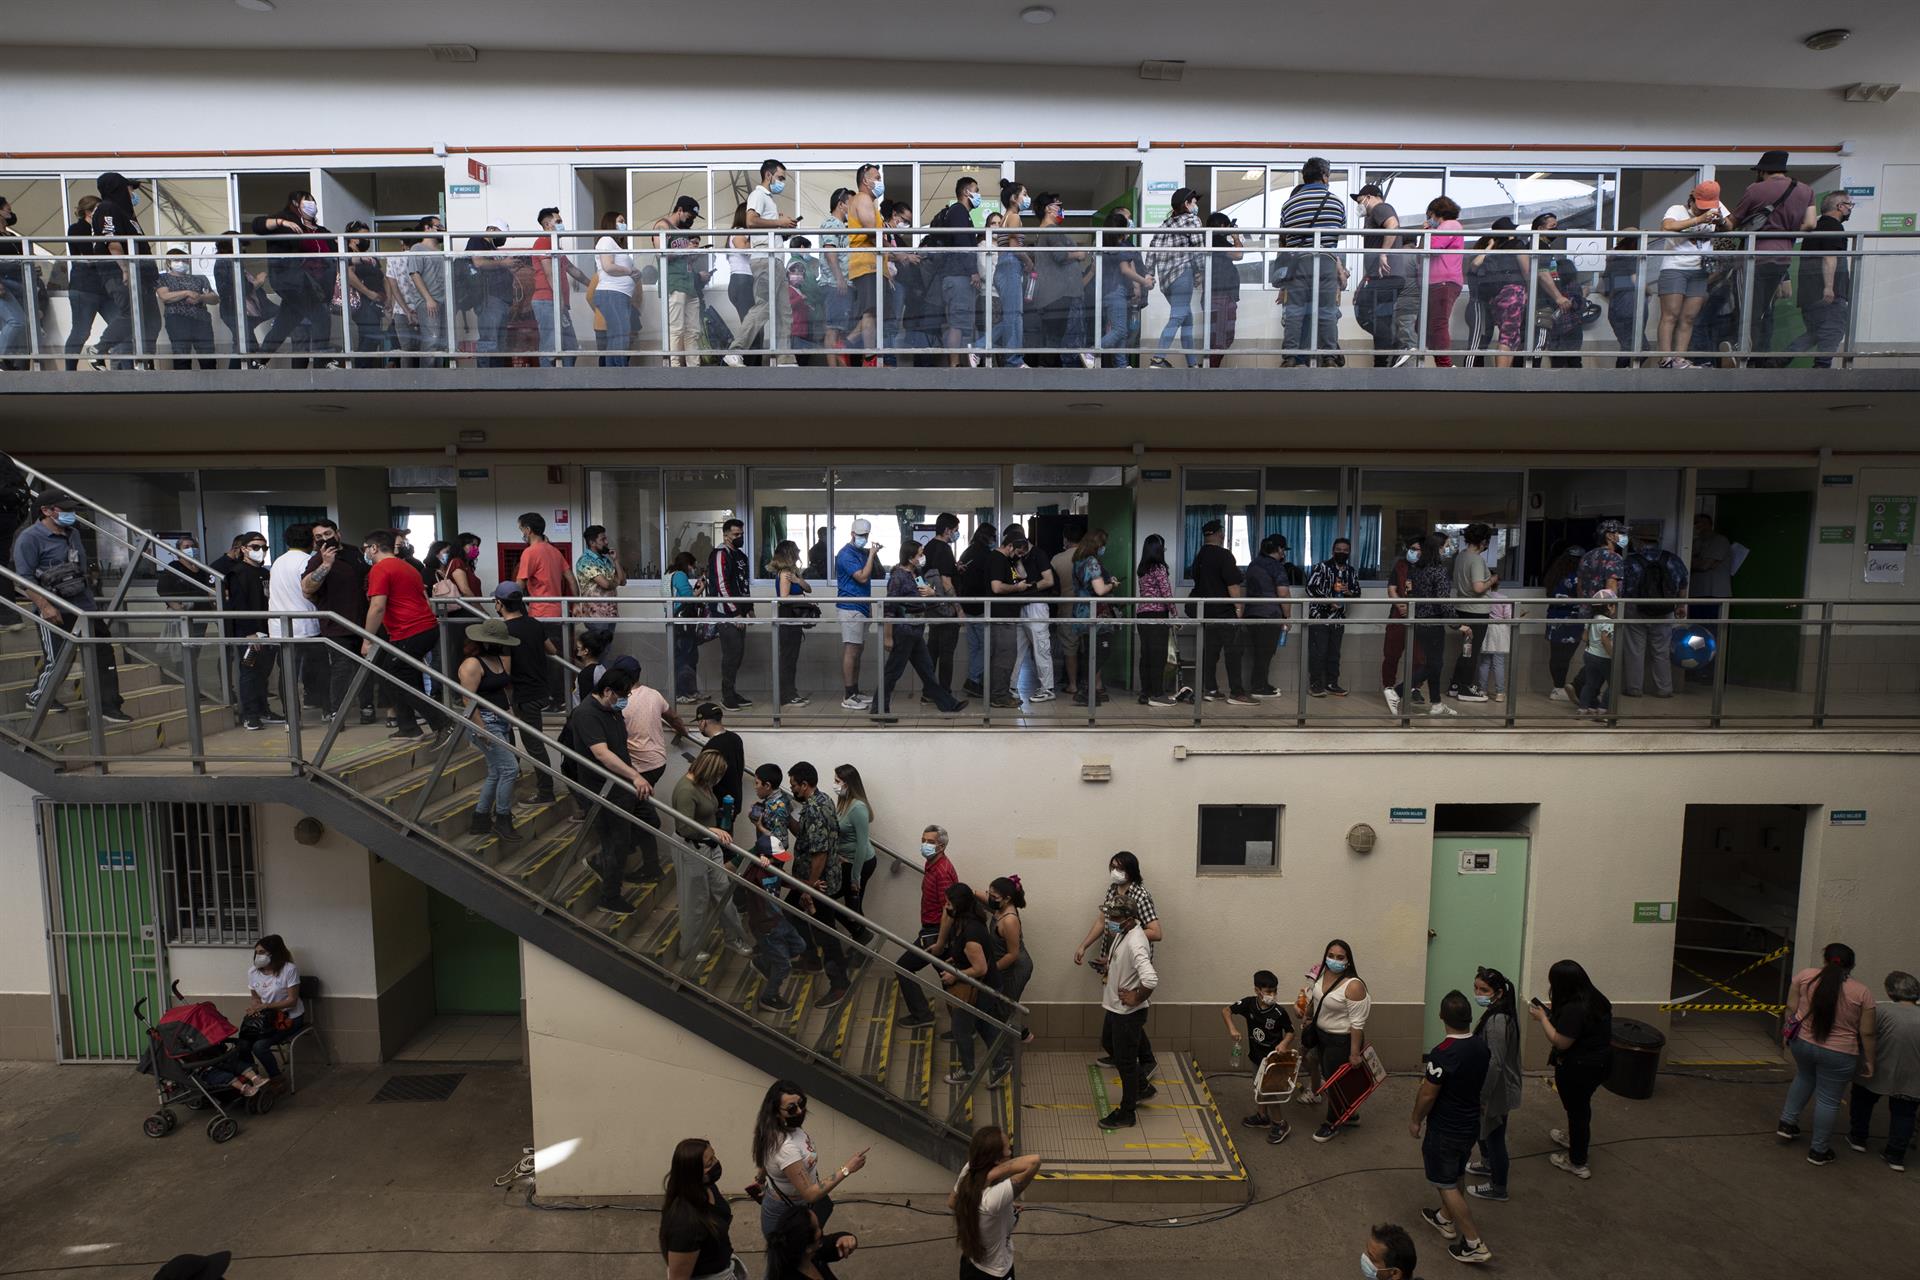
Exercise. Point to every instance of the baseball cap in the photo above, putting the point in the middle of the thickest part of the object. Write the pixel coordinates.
(861, 527)
(507, 591)
(1605, 593)
(1706, 194)
(57, 498)
(1613, 526)
(708, 711)
(1371, 189)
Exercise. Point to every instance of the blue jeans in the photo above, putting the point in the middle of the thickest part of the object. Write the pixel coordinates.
(1300, 300)
(1179, 293)
(617, 310)
(1822, 1074)
(778, 948)
(976, 652)
(503, 767)
(1493, 1149)
(1009, 310)
(13, 326)
(493, 330)
(543, 316)
(86, 305)
(1116, 321)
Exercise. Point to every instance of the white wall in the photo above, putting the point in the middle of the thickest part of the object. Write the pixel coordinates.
(23, 921)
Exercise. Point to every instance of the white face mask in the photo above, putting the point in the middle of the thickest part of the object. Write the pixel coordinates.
(1117, 876)
(619, 224)
(261, 961)
(256, 554)
(176, 266)
(309, 208)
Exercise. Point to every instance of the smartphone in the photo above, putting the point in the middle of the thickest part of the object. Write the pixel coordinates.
(1536, 1002)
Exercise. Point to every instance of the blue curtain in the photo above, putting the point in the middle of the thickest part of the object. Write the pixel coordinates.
(280, 519)
(773, 532)
(1322, 529)
(1366, 551)
(1291, 524)
(1191, 539)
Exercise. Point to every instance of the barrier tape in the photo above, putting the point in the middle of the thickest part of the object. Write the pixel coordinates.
(1715, 984)
(1767, 959)
(1723, 1008)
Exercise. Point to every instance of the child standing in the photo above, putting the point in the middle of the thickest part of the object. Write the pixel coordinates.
(1598, 663)
(1496, 641)
(1269, 1030)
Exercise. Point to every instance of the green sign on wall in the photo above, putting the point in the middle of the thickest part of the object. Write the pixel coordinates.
(1836, 533)
(1653, 913)
(1890, 517)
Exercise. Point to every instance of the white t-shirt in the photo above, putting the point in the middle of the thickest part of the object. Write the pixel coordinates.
(795, 1148)
(760, 203)
(1696, 243)
(607, 246)
(270, 986)
(996, 1226)
(284, 594)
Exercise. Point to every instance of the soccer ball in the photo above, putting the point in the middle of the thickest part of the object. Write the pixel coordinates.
(1693, 648)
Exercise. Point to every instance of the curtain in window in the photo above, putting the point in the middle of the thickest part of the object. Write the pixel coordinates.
(280, 519)
(983, 515)
(1291, 524)
(1366, 552)
(1322, 529)
(1191, 538)
(773, 532)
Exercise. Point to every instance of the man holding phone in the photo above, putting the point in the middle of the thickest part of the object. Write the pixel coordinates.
(854, 568)
(1128, 991)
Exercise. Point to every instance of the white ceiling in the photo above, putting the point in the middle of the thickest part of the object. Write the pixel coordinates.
(1754, 43)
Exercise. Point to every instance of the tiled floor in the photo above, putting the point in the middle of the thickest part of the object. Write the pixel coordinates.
(1179, 1134)
(466, 1038)
(1723, 1039)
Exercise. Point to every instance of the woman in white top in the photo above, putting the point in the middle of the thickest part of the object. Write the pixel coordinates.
(275, 984)
(613, 288)
(985, 1204)
(789, 1165)
(1682, 282)
(1335, 1011)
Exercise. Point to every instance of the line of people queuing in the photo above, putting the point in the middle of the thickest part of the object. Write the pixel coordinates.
(981, 289)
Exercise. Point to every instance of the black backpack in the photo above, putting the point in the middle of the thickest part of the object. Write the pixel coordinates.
(1656, 582)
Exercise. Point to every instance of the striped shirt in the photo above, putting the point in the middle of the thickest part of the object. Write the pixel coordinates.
(1312, 204)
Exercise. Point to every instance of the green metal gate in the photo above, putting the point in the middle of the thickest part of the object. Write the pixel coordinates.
(101, 921)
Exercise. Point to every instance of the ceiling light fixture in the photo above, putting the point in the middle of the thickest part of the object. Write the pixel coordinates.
(1831, 38)
(1037, 15)
(257, 6)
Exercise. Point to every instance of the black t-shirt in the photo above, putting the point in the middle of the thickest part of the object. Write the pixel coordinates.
(494, 282)
(684, 1230)
(729, 747)
(940, 560)
(1590, 1029)
(1458, 1065)
(590, 723)
(1213, 572)
(1266, 1028)
(974, 931)
(1829, 240)
(529, 661)
(1038, 563)
(996, 567)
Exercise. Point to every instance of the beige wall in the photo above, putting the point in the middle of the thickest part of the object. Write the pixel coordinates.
(616, 1086)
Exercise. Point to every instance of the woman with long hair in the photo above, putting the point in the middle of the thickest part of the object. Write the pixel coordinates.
(1562, 581)
(1090, 581)
(789, 1164)
(788, 581)
(1123, 881)
(684, 586)
(983, 1206)
(1125, 286)
(486, 672)
(1500, 290)
(275, 1002)
(964, 926)
(854, 846)
(1831, 1016)
(1334, 1012)
(1499, 1026)
(1007, 951)
(1151, 579)
(1430, 585)
(797, 1249)
(1010, 269)
(613, 286)
(740, 263)
(705, 888)
(1176, 265)
(300, 275)
(695, 1218)
(1578, 1023)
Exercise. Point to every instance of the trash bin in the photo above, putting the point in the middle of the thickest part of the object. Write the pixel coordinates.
(1636, 1058)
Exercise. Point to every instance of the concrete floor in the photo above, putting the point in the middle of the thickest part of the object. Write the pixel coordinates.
(329, 1186)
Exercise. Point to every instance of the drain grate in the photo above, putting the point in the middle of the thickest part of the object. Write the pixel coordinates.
(423, 1088)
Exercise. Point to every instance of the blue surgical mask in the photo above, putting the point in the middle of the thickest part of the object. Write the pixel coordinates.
(1413, 555)
(1368, 1269)
(973, 199)
(879, 188)
(776, 186)
(928, 849)
(309, 208)
(1336, 966)
(134, 200)
(66, 519)
(1114, 926)
(1483, 1001)
(619, 704)
(1026, 204)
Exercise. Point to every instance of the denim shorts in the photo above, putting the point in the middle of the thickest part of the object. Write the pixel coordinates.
(1445, 1157)
(839, 310)
(959, 297)
(1688, 284)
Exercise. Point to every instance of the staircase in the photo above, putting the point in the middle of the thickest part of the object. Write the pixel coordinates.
(410, 801)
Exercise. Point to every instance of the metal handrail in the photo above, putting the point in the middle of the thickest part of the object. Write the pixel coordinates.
(151, 538)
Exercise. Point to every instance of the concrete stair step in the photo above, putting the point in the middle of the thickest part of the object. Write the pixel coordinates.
(141, 704)
(16, 683)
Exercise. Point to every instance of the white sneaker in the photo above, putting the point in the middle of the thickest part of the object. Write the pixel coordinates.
(1558, 1137)
(733, 361)
(1393, 700)
(855, 703)
(1441, 709)
(973, 359)
(1560, 1161)
(1089, 360)
(1559, 695)
(1041, 695)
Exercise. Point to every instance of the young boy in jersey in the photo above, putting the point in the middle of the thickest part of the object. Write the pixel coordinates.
(1269, 1030)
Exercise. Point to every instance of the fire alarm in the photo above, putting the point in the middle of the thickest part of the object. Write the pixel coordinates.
(1360, 838)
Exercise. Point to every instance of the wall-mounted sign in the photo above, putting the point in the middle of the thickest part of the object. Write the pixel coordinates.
(1890, 517)
(1653, 913)
(476, 170)
(473, 473)
(1897, 222)
(1847, 817)
(1865, 193)
(1479, 862)
(1417, 816)
(1836, 533)
(463, 189)
(1837, 481)
(1156, 473)
(114, 859)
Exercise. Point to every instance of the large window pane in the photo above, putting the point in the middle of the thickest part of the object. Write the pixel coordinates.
(699, 501)
(1395, 505)
(1486, 194)
(655, 190)
(903, 502)
(1229, 496)
(937, 182)
(790, 504)
(627, 502)
(37, 203)
(1302, 505)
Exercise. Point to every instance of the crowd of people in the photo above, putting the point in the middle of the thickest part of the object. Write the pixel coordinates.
(1014, 286)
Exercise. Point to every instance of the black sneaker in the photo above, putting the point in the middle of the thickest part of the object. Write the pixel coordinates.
(1316, 691)
(1861, 1147)
(1821, 1157)
(1477, 1251)
(398, 735)
(1325, 1133)
(271, 718)
(1787, 1130)
(1147, 1091)
(1335, 691)
(772, 1002)
(914, 1020)
(1440, 1222)
(618, 906)
(116, 716)
(736, 702)
(252, 726)
(836, 997)
(1117, 1119)
(1106, 1061)
(1279, 1133)
(1254, 1121)
(1418, 699)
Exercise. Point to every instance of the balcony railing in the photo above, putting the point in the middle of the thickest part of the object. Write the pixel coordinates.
(1063, 297)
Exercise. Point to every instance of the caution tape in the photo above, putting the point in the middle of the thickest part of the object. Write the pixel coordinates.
(1722, 1008)
(1767, 959)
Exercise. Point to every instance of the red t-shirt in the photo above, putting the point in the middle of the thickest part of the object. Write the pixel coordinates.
(544, 571)
(408, 613)
(544, 269)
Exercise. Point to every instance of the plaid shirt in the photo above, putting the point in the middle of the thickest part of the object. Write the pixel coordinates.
(1320, 584)
(1177, 251)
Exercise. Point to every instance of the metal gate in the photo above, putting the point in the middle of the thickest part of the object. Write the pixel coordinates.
(102, 911)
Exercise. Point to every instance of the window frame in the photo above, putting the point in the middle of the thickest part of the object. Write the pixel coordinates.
(1203, 868)
(232, 925)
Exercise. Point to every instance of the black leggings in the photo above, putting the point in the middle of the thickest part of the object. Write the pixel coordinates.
(1431, 637)
(1153, 658)
(1560, 660)
(1576, 1086)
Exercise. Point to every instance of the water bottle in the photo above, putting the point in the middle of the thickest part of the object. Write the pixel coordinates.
(1236, 1055)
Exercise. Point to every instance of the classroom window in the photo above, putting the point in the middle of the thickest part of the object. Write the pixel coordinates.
(1239, 837)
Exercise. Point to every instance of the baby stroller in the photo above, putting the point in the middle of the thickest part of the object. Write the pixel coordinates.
(194, 1057)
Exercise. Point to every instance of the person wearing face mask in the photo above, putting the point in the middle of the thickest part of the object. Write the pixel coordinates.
(597, 729)
(938, 878)
(1331, 585)
(286, 595)
(763, 213)
(335, 580)
(1059, 273)
(1269, 1031)
(1604, 567)
(1125, 287)
(1311, 277)
(1389, 1254)
(116, 222)
(243, 574)
(184, 298)
(1335, 1010)
(423, 283)
(554, 270)
(704, 888)
(1563, 627)
(816, 841)
(274, 1004)
(598, 571)
(905, 635)
(397, 601)
(1473, 581)
(984, 1204)
(1129, 984)
(685, 279)
(854, 567)
(696, 1220)
(1826, 282)
(730, 577)
(1176, 257)
(544, 576)
(1007, 952)
(483, 277)
(863, 212)
(1394, 647)
(186, 590)
(368, 301)
(301, 275)
(955, 269)
(613, 288)
(50, 554)
(1124, 883)
(1499, 1029)
(1446, 1120)
(789, 1162)
(853, 844)
(1010, 265)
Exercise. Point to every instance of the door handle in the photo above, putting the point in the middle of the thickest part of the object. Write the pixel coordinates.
(1431, 935)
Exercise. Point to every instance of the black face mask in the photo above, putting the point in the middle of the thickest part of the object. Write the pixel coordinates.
(12, 217)
(713, 1175)
(1339, 557)
(793, 1120)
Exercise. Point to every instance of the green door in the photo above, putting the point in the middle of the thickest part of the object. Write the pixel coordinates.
(100, 883)
(1112, 510)
(1774, 528)
(1476, 916)
(476, 963)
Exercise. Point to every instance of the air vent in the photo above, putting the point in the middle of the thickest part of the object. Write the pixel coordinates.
(420, 1088)
(1154, 69)
(454, 53)
(1870, 92)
